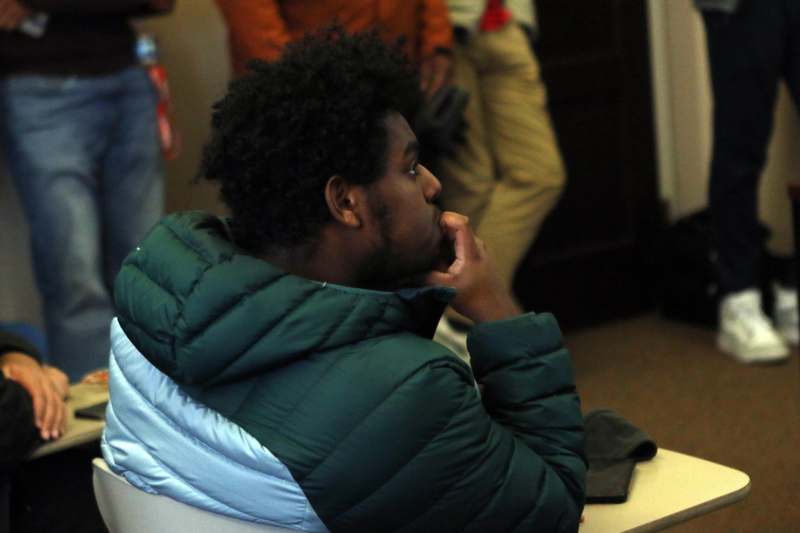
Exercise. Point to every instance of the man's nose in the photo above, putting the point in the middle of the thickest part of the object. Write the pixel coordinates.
(432, 187)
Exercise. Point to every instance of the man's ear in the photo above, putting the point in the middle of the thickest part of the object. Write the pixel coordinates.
(345, 201)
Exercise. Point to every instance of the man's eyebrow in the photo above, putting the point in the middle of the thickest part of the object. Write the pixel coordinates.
(412, 148)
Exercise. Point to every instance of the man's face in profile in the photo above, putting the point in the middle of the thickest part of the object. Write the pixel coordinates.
(405, 221)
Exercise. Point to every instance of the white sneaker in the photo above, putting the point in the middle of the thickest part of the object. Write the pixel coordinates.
(745, 332)
(448, 336)
(785, 313)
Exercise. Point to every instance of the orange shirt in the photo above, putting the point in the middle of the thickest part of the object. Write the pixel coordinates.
(260, 28)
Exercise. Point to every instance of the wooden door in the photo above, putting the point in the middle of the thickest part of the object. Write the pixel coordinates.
(589, 263)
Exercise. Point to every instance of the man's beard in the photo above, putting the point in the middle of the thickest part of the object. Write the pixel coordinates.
(386, 269)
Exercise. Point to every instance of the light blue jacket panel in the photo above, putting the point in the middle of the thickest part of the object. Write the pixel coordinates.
(164, 442)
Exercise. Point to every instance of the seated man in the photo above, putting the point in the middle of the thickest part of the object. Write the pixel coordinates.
(278, 367)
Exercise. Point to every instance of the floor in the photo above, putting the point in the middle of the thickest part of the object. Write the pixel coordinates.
(670, 380)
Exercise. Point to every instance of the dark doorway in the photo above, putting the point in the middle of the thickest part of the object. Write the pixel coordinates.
(590, 263)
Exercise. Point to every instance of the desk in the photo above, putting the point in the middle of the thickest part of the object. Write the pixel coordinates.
(79, 430)
(670, 489)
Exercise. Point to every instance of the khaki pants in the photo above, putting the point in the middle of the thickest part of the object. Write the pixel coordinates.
(508, 174)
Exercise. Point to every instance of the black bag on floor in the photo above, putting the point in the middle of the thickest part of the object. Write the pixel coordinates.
(689, 288)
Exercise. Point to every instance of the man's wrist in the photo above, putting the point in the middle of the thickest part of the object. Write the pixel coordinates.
(496, 306)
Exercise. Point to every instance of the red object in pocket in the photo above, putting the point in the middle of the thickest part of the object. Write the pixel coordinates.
(170, 140)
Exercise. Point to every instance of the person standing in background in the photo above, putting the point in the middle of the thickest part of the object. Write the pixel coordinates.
(261, 28)
(78, 127)
(508, 174)
(752, 45)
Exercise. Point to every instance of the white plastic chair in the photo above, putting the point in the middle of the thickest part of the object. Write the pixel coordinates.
(126, 509)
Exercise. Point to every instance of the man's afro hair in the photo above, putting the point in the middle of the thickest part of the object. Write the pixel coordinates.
(286, 127)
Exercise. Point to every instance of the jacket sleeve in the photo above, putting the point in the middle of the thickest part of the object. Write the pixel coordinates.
(18, 433)
(529, 390)
(256, 28)
(13, 343)
(436, 32)
(437, 458)
(518, 453)
(94, 7)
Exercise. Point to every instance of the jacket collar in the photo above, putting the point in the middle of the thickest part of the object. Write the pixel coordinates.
(219, 314)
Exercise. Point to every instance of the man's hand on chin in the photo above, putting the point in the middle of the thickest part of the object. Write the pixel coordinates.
(481, 296)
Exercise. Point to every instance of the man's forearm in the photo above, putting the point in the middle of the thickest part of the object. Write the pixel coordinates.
(529, 388)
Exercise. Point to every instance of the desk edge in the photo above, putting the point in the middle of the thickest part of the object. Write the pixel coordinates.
(699, 510)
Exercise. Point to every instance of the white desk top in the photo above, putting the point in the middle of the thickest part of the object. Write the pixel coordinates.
(669, 489)
(79, 430)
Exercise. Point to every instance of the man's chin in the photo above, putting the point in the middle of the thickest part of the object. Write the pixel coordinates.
(419, 277)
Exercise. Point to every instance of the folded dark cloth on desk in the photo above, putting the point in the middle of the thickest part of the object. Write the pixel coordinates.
(613, 447)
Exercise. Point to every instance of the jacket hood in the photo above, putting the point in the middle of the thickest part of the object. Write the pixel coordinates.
(205, 312)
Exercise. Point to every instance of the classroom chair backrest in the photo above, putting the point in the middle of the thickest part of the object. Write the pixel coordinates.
(126, 509)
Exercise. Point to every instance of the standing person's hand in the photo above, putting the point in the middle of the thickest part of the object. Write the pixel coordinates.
(434, 73)
(49, 408)
(481, 295)
(12, 13)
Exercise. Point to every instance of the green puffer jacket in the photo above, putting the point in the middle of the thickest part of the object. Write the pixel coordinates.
(383, 429)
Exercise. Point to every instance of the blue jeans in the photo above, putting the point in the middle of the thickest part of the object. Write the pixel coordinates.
(85, 157)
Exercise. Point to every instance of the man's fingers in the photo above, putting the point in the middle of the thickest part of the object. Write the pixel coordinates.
(59, 379)
(456, 227)
(439, 278)
(32, 385)
(50, 412)
(60, 424)
(37, 397)
(59, 410)
(451, 221)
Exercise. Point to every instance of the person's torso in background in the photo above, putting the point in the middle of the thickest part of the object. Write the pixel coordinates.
(393, 18)
(70, 45)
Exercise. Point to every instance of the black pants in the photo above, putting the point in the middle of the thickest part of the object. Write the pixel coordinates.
(749, 51)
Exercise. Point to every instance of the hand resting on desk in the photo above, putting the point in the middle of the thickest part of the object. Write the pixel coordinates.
(47, 388)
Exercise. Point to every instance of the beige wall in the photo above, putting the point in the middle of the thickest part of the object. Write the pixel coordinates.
(194, 50)
(683, 92)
